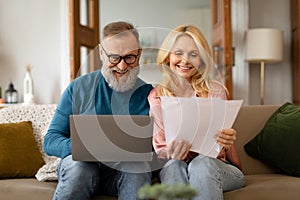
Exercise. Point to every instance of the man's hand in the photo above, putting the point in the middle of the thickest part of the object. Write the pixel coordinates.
(178, 149)
(227, 137)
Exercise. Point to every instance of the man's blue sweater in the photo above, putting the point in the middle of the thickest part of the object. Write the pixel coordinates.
(90, 94)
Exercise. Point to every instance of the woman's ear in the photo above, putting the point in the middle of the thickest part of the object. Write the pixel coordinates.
(167, 60)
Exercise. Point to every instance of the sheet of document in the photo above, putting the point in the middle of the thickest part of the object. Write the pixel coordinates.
(198, 120)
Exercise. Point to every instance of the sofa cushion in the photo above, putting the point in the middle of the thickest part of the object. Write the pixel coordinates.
(30, 188)
(267, 186)
(19, 153)
(26, 188)
(278, 142)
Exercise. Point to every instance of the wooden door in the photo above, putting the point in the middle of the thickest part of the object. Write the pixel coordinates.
(221, 40)
(295, 32)
(84, 35)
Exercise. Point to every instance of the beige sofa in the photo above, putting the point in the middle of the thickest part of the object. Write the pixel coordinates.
(263, 182)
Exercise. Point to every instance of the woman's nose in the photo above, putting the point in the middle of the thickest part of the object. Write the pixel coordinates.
(185, 59)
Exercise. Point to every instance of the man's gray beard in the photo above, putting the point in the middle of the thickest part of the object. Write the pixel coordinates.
(123, 83)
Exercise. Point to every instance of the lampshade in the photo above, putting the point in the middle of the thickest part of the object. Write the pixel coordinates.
(264, 44)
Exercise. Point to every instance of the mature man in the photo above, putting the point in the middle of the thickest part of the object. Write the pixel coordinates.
(115, 89)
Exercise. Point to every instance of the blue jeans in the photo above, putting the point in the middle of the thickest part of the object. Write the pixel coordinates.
(81, 180)
(210, 176)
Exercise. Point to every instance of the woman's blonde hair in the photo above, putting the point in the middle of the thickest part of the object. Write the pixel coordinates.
(200, 81)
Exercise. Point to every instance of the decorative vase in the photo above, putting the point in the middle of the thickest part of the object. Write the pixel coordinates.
(28, 87)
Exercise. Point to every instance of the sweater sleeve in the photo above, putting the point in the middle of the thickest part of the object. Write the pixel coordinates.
(159, 140)
(57, 140)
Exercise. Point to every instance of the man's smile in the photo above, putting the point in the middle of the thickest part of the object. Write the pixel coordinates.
(119, 73)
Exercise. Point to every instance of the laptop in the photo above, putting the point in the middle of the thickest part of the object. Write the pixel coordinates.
(111, 138)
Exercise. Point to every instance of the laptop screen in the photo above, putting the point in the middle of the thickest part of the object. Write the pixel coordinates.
(111, 137)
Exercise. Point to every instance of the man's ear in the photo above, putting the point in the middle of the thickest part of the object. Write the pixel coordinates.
(140, 51)
(100, 52)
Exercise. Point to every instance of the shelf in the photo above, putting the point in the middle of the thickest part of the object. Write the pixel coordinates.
(3, 105)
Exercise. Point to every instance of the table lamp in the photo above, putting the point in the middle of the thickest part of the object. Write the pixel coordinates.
(264, 45)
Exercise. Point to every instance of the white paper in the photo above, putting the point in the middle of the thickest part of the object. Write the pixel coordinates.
(198, 120)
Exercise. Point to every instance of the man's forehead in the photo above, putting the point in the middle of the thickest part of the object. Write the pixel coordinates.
(120, 43)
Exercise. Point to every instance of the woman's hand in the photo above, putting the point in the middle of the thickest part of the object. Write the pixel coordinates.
(227, 137)
(178, 149)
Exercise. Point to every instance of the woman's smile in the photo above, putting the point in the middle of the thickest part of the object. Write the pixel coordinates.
(184, 67)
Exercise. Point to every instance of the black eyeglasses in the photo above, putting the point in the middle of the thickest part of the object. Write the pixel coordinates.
(116, 59)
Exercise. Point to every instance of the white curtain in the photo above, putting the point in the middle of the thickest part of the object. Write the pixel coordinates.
(240, 71)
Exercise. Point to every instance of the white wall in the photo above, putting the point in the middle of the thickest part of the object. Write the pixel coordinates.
(30, 33)
(278, 88)
(157, 13)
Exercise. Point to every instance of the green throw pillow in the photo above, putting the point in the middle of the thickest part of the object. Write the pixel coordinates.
(19, 153)
(278, 142)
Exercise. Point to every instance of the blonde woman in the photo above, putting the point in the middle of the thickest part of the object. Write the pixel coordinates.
(185, 61)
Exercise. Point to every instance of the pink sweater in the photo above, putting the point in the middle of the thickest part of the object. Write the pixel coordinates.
(159, 140)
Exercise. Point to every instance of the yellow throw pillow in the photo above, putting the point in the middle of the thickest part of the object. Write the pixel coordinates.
(19, 153)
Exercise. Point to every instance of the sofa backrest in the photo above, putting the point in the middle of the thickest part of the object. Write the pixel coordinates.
(250, 121)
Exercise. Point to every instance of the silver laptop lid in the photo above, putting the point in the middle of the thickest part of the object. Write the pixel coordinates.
(110, 138)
